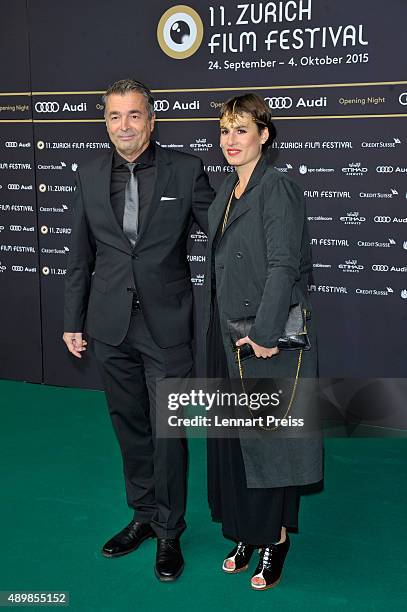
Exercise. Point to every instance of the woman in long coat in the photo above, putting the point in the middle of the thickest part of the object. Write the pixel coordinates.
(257, 265)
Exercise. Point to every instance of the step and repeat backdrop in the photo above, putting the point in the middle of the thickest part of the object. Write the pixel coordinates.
(332, 74)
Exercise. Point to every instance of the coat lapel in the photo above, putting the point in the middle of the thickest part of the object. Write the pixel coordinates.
(243, 205)
(217, 208)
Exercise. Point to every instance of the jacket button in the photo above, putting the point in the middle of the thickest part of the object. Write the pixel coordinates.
(239, 255)
(247, 303)
(134, 256)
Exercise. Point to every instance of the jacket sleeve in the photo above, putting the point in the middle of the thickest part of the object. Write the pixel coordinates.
(80, 267)
(202, 197)
(283, 218)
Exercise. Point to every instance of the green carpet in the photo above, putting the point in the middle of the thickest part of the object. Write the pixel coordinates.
(63, 496)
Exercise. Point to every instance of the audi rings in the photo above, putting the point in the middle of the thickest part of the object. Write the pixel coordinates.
(385, 169)
(279, 103)
(161, 105)
(381, 219)
(380, 268)
(46, 107)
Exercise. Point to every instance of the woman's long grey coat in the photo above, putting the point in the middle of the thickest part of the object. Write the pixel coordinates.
(262, 264)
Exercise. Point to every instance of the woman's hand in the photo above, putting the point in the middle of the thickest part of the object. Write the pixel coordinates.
(259, 351)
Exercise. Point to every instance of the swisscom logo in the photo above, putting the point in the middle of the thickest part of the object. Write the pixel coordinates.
(180, 32)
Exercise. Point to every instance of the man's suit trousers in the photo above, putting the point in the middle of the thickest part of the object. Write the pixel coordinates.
(154, 468)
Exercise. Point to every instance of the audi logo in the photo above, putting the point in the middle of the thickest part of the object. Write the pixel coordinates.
(377, 268)
(13, 186)
(161, 105)
(385, 169)
(46, 107)
(379, 219)
(403, 98)
(279, 103)
(11, 145)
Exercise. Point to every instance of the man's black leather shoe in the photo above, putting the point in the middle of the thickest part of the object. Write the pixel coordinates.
(169, 561)
(128, 539)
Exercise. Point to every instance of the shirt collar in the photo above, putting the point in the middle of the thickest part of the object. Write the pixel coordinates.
(145, 160)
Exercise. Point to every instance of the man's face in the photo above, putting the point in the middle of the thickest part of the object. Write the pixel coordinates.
(128, 124)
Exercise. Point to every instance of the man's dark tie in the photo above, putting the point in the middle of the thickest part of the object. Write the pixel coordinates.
(131, 206)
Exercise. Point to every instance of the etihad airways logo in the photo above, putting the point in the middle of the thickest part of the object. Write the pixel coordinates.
(352, 218)
(354, 169)
(351, 265)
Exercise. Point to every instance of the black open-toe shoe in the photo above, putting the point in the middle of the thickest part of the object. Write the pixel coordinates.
(238, 559)
(270, 566)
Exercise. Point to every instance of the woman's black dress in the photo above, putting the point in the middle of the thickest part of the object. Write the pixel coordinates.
(253, 516)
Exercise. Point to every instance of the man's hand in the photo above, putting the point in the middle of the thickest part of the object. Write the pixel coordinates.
(75, 343)
(259, 351)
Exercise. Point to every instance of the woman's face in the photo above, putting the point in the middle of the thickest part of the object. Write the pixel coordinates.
(240, 139)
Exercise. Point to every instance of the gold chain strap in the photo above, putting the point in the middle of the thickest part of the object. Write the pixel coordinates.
(292, 394)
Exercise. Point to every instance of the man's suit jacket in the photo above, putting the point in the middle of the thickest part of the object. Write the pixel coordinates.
(103, 267)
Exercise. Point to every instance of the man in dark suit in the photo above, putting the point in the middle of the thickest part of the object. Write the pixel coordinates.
(129, 278)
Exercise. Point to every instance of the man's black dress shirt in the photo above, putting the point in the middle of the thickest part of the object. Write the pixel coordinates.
(145, 170)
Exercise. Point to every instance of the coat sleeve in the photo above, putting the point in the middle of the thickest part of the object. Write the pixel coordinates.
(202, 197)
(283, 218)
(80, 267)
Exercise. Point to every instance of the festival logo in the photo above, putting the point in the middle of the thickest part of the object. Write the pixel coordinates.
(180, 32)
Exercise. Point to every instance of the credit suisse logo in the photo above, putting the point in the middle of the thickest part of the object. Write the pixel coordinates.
(46, 107)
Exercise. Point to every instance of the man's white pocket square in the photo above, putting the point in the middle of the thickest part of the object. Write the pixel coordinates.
(165, 198)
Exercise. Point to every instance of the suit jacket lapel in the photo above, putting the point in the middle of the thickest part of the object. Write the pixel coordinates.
(163, 169)
(103, 182)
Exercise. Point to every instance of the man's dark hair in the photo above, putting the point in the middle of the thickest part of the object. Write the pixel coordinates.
(128, 85)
